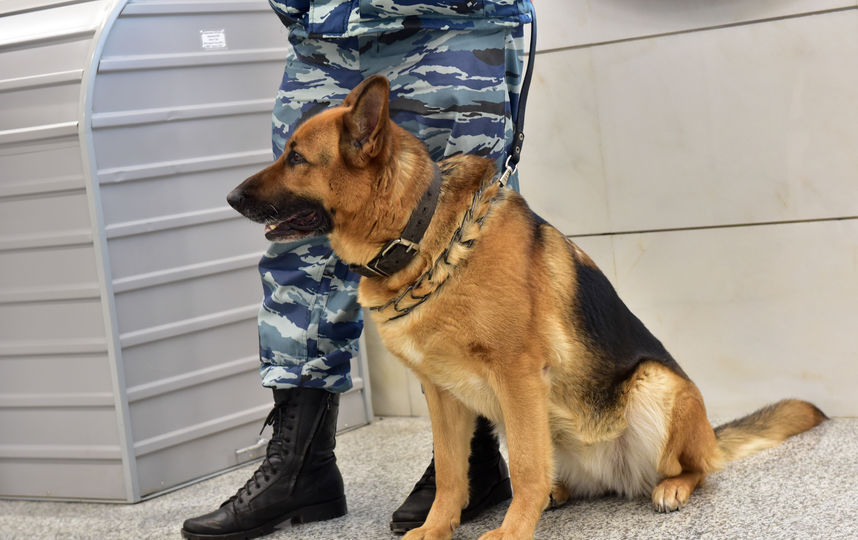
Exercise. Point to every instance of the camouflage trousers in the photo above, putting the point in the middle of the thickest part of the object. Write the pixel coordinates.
(454, 90)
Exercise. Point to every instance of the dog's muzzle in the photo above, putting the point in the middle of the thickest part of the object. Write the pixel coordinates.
(290, 218)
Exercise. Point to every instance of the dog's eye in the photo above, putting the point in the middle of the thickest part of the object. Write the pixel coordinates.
(294, 158)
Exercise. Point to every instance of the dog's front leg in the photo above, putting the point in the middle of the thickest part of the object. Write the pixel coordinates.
(523, 397)
(452, 427)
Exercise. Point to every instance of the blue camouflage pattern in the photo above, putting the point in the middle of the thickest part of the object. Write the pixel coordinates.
(349, 18)
(454, 90)
(310, 321)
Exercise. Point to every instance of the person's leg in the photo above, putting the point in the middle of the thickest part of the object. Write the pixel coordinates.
(309, 325)
(452, 90)
(309, 321)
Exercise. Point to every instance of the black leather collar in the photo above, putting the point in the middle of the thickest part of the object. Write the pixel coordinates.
(398, 253)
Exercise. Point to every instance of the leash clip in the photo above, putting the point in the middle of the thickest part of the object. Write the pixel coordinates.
(508, 170)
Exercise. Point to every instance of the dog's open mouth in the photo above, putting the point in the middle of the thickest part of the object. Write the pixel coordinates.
(307, 219)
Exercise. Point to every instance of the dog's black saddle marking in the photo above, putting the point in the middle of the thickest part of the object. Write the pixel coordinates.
(617, 337)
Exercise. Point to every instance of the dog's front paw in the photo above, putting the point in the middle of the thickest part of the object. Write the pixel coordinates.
(670, 495)
(501, 534)
(428, 533)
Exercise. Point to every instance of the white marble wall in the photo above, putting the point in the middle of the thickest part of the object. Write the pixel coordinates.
(706, 155)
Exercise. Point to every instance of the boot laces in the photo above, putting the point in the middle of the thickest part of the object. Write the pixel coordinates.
(268, 468)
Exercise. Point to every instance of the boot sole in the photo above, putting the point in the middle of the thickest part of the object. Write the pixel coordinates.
(499, 493)
(308, 514)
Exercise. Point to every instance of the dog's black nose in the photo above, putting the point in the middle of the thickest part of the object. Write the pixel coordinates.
(236, 198)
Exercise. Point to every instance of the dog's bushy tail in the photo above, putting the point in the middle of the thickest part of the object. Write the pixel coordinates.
(766, 427)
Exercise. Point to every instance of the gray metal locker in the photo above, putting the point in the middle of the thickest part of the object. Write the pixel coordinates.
(128, 288)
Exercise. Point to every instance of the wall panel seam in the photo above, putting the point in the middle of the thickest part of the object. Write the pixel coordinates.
(130, 173)
(97, 400)
(200, 430)
(54, 39)
(75, 237)
(72, 291)
(39, 132)
(174, 221)
(192, 378)
(43, 5)
(188, 326)
(60, 347)
(44, 186)
(169, 7)
(106, 452)
(126, 118)
(46, 79)
(173, 275)
(719, 226)
(850, 7)
(112, 64)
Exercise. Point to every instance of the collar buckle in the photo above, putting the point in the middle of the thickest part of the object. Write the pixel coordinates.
(408, 244)
(389, 259)
(373, 268)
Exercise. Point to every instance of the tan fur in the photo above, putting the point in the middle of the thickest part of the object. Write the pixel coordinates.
(498, 334)
(766, 427)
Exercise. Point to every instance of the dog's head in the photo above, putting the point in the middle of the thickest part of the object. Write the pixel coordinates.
(327, 171)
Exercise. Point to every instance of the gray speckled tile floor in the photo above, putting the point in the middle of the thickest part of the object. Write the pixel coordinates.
(806, 488)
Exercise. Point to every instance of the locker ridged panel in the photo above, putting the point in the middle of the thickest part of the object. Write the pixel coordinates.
(57, 413)
(183, 262)
(121, 266)
(97, 479)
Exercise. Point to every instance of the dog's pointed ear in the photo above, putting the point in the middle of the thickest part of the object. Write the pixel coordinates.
(368, 116)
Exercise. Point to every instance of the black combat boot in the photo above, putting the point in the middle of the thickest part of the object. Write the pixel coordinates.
(488, 480)
(298, 480)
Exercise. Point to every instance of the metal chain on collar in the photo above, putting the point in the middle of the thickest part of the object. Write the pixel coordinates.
(510, 167)
(443, 258)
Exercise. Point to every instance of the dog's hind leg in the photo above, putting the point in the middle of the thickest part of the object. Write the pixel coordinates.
(691, 451)
(672, 493)
(452, 427)
(559, 495)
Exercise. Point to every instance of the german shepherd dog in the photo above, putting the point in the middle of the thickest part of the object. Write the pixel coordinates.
(498, 313)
